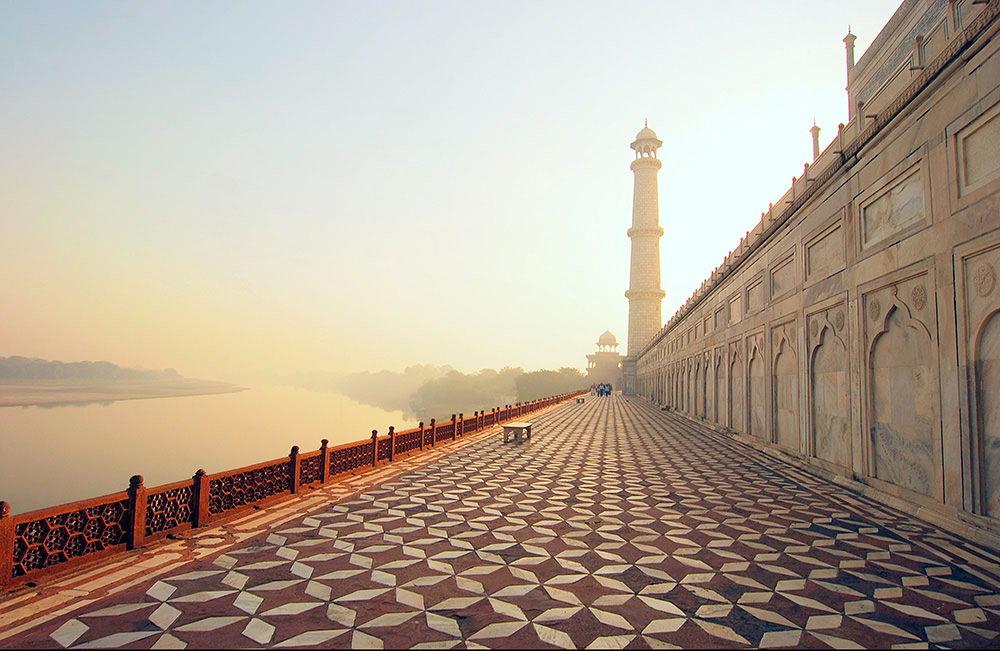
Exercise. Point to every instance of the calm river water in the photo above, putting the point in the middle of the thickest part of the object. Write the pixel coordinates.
(54, 455)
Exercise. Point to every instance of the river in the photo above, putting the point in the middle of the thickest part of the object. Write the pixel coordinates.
(53, 455)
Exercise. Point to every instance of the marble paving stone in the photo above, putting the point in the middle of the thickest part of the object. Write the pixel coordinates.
(615, 526)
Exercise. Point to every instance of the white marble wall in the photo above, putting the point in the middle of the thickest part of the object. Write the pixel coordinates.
(861, 334)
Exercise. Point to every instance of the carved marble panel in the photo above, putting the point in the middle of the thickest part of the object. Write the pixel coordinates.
(720, 318)
(783, 276)
(825, 252)
(898, 206)
(755, 295)
(977, 147)
(735, 313)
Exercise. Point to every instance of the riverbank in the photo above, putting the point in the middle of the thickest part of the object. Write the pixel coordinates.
(52, 393)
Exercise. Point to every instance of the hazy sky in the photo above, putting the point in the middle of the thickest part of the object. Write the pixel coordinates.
(242, 188)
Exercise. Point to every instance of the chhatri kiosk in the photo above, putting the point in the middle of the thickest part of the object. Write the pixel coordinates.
(605, 366)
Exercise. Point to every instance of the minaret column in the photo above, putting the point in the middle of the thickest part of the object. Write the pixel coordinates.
(644, 294)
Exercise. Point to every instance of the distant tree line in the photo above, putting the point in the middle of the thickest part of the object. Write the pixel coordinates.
(28, 368)
(425, 392)
(384, 389)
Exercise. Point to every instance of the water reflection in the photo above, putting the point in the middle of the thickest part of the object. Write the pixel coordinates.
(84, 403)
(60, 453)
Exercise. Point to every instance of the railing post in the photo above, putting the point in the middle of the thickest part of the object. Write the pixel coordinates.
(434, 431)
(200, 516)
(6, 544)
(461, 425)
(392, 443)
(476, 416)
(421, 435)
(324, 455)
(454, 427)
(137, 512)
(293, 469)
(374, 448)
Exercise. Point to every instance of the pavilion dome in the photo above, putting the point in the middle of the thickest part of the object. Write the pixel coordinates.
(607, 339)
(646, 134)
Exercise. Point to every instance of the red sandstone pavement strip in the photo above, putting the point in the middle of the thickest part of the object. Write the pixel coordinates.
(615, 526)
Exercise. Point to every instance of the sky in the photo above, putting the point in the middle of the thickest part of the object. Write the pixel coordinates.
(240, 190)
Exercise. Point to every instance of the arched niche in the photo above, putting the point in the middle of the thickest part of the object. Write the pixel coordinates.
(704, 386)
(699, 389)
(720, 387)
(785, 395)
(904, 421)
(689, 388)
(737, 394)
(987, 381)
(830, 399)
(757, 379)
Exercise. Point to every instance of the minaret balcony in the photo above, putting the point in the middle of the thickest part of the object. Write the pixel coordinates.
(646, 161)
(640, 230)
(648, 294)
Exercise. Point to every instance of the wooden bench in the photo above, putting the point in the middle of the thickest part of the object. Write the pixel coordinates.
(579, 400)
(516, 428)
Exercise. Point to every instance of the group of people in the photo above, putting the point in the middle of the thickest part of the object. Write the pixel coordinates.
(603, 389)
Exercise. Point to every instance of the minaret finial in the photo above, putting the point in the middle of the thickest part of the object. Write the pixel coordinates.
(646, 121)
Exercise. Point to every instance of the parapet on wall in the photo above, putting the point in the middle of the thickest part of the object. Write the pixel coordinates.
(858, 329)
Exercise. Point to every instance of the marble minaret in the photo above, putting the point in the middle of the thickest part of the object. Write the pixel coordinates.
(644, 294)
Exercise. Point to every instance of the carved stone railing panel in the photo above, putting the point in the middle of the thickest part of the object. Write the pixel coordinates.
(244, 488)
(384, 450)
(169, 509)
(310, 469)
(407, 442)
(348, 458)
(58, 538)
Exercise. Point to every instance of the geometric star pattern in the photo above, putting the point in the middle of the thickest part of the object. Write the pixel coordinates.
(616, 526)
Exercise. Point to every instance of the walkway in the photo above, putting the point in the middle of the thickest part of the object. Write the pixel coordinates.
(616, 526)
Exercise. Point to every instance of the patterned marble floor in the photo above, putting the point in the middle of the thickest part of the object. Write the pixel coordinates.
(615, 526)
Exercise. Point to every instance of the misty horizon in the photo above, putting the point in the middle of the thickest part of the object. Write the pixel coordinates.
(352, 193)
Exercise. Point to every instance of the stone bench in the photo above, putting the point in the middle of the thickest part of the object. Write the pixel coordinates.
(579, 400)
(516, 429)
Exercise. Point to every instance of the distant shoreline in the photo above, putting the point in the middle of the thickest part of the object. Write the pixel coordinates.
(52, 393)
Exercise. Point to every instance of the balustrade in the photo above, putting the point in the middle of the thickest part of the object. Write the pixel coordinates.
(69, 535)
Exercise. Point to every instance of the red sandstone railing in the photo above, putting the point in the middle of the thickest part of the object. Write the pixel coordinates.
(62, 537)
